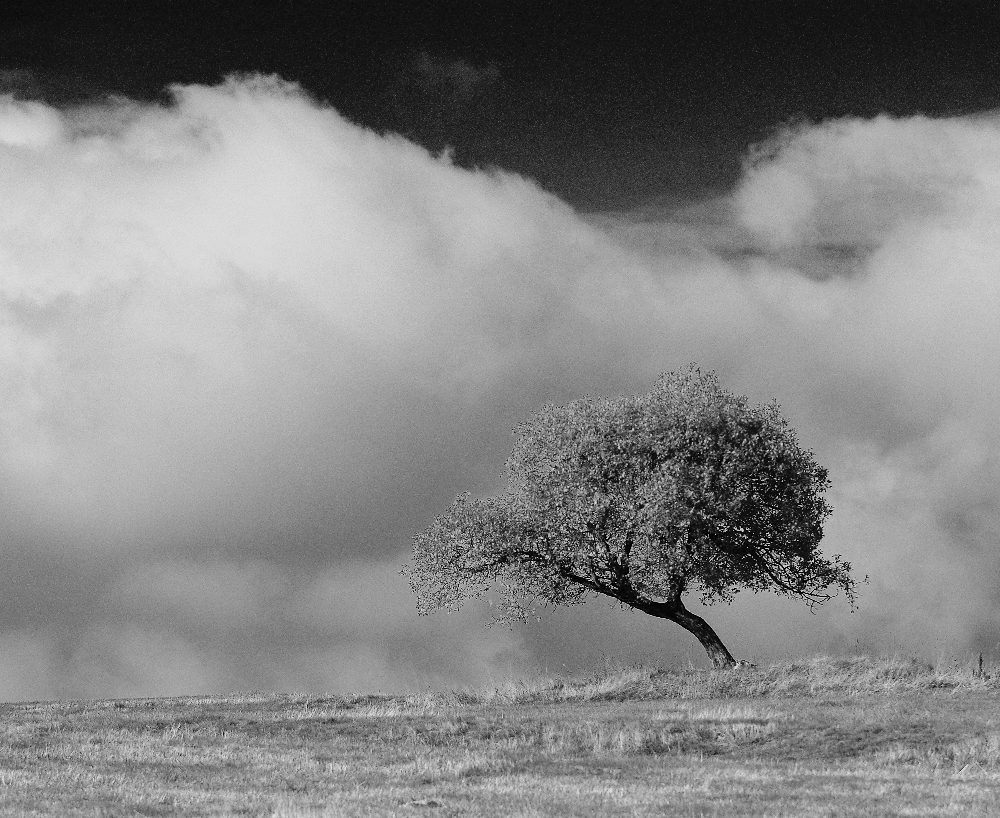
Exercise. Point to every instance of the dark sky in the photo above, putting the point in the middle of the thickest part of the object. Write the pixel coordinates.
(604, 104)
(256, 330)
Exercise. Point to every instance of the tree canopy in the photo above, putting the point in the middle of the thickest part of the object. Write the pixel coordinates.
(643, 499)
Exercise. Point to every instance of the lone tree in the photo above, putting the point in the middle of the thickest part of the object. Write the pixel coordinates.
(641, 499)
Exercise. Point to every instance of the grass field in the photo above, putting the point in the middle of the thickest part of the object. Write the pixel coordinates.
(830, 737)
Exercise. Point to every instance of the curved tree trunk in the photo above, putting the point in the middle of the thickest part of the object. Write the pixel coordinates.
(694, 624)
(717, 652)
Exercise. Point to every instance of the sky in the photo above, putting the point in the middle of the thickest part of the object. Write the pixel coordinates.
(276, 286)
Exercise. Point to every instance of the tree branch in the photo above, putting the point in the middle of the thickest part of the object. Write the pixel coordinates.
(811, 596)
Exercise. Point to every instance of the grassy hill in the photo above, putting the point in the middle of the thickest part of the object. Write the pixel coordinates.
(823, 737)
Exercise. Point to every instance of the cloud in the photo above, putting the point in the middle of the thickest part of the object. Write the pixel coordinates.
(241, 340)
(200, 594)
(208, 305)
(248, 348)
(911, 329)
(28, 124)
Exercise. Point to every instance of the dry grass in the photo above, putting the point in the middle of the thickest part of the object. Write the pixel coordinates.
(850, 676)
(845, 737)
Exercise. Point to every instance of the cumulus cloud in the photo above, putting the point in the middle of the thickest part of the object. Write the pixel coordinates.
(247, 348)
(910, 334)
(242, 339)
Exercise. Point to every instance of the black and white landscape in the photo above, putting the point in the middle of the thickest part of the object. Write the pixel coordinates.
(275, 288)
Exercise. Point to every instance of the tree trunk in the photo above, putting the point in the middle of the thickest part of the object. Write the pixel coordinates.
(710, 641)
(694, 624)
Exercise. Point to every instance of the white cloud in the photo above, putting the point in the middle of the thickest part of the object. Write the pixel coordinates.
(27, 124)
(248, 348)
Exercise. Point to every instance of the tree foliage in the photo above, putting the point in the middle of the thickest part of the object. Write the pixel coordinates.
(686, 489)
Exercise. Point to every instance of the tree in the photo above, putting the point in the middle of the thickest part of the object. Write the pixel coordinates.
(641, 499)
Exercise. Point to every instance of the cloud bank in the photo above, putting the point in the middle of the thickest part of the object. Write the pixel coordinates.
(247, 348)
